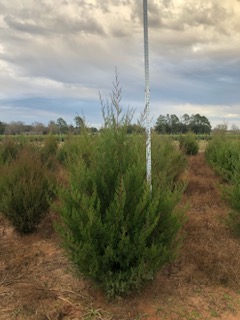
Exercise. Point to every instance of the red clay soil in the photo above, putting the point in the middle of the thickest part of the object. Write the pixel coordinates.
(37, 281)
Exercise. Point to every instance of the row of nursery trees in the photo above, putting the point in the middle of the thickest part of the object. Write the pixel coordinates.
(223, 154)
(115, 230)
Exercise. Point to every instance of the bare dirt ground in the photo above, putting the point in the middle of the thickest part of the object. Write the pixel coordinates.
(37, 281)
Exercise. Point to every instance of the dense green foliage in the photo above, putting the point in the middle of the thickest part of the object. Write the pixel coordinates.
(167, 162)
(26, 188)
(9, 149)
(188, 144)
(72, 146)
(49, 151)
(224, 155)
(171, 124)
(114, 229)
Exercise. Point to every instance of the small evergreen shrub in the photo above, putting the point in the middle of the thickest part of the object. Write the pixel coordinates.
(188, 144)
(231, 193)
(49, 151)
(168, 163)
(26, 190)
(70, 148)
(223, 154)
(9, 149)
(62, 154)
(115, 230)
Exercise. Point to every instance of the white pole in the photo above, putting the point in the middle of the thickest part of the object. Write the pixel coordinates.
(147, 96)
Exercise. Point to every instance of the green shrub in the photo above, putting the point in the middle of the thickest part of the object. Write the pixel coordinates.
(50, 147)
(188, 144)
(223, 154)
(71, 147)
(114, 229)
(167, 162)
(26, 190)
(231, 193)
(9, 149)
(49, 151)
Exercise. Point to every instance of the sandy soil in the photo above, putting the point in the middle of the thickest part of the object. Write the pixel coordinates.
(37, 281)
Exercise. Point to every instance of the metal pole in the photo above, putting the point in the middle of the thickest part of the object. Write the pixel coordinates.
(147, 96)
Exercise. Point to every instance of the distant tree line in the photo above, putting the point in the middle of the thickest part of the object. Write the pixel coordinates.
(171, 124)
(60, 126)
(165, 124)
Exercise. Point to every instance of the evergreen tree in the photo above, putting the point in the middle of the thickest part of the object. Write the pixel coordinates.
(199, 124)
(170, 124)
(62, 125)
(2, 127)
(115, 231)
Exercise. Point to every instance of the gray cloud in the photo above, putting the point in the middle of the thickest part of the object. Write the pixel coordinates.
(23, 26)
(56, 25)
(173, 15)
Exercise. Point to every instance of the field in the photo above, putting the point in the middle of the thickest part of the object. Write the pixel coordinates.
(37, 281)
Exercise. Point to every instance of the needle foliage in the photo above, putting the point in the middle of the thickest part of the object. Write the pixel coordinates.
(114, 229)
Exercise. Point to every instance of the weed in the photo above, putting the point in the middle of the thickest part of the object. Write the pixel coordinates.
(214, 313)
(95, 314)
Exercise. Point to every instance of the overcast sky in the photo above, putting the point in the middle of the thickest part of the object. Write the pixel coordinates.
(57, 55)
